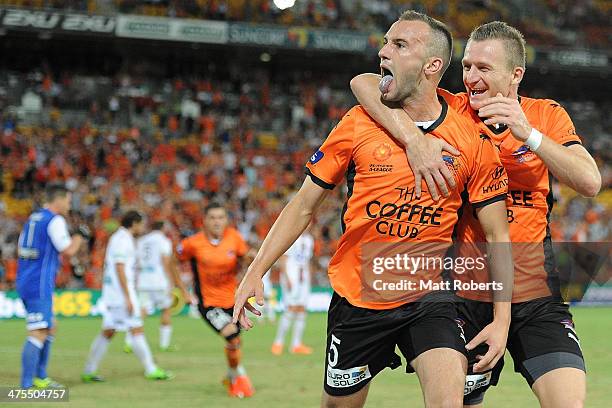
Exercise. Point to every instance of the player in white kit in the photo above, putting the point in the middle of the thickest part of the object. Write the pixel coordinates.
(122, 310)
(295, 287)
(156, 278)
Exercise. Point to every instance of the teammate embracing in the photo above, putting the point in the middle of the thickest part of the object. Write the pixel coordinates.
(365, 324)
(535, 138)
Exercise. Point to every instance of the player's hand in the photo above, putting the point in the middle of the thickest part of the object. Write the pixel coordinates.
(507, 111)
(84, 231)
(189, 298)
(130, 308)
(251, 285)
(495, 336)
(425, 158)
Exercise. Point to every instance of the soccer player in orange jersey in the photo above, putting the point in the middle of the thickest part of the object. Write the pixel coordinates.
(215, 254)
(535, 137)
(365, 326)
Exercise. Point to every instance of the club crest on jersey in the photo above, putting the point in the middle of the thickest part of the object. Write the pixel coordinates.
(523, 154)
(316, 157)
(382, 152)
(231, 254)
(451, 162)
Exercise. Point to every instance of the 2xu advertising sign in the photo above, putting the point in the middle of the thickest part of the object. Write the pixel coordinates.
(53, 21)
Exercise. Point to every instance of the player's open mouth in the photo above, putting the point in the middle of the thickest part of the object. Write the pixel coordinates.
(385, 81)
(477, 91)
(384, 72)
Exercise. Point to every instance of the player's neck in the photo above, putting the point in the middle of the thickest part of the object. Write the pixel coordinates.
(213, 238)
(423, 106)
(52, 208)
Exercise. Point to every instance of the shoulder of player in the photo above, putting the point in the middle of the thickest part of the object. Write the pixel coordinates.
(539, 112)
(458, 101)
(233, 233)
(363, 119)
(539, 104)
(199, 236)
(459, 126)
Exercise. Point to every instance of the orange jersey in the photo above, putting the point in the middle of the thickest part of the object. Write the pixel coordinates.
(529, 199)
(381, 206)
(214, 265)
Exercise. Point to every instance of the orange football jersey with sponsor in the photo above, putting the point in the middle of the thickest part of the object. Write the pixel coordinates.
(381, 206)
(215, 266)
(529, 199)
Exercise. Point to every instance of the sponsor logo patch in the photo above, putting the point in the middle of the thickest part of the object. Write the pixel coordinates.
(338, 378)
(498, 172)
(476, 381)
(523, 154)
(451, 162)
(316, 157)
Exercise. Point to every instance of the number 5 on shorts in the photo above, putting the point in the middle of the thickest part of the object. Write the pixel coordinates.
(332, 357)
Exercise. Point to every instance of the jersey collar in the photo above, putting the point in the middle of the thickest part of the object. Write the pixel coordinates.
(440, 119)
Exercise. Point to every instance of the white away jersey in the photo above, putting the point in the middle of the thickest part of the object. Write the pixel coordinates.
(300, 253)
(150, 249)
(120, 249)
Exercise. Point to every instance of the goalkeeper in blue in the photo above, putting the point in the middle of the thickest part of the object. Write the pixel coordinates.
(43, 239)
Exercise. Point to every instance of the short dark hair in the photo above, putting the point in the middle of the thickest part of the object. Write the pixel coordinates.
(211, 206)
(54, 191)
(513, 40)
(130, 218)
(157, 225)
(441, 43)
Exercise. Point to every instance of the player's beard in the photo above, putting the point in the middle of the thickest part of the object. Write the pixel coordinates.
(406, 86)
(409, 88)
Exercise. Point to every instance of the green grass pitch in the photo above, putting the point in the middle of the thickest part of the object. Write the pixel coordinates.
(285, 381)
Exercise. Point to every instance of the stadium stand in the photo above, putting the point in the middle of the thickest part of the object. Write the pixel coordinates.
(550, 22)
(131, 132)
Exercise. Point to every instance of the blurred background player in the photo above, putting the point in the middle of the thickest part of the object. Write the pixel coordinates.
(157, 270)
(215, 255)
(268, 311)
(122, 310)
(295, 284)
(44, 237)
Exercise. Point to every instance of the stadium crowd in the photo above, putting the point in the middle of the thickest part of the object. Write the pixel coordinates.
(168, 147)
(550, 22)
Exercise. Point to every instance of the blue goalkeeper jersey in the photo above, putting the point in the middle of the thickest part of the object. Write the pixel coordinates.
(38, 258)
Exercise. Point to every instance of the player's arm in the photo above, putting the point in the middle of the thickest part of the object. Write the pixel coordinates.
(75, 244)
(290, 224)
(493, 219)
(120, 269)
(423, 151)
(67, 245)
(172, 272)
(571, 165)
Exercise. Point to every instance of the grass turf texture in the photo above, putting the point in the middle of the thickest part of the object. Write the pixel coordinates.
(285, 381)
